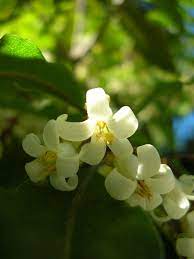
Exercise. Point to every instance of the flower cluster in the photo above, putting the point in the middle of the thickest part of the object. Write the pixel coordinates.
(139, 179)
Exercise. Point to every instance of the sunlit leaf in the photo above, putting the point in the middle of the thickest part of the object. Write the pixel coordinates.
(28, 71)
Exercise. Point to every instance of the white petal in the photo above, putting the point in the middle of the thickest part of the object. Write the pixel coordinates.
(123, 123)
(97, 103)
(153, 202)
(136, 200)
(36, 171)
(149, 161)
(66, 149)
(187, 183)
(61, 184)
(185, 247)
(50, 135)
(67, 166)
(127, 166)
(175, 203)
(75, 131)
(118, 186)
(31, 145)
(121, 147)
(144, 203)
(189, 224)
(92, 153)
(163, 182)
(67, 163)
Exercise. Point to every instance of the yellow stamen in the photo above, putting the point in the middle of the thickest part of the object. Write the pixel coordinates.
(101, 124)
(49, 161)
(49, 156)
(109, 138)
(102, 132)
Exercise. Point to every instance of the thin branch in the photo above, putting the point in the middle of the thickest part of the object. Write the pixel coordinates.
(76, 204)
(97, 38)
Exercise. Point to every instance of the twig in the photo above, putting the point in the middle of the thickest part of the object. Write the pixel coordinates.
(76, 203)
(98, 37)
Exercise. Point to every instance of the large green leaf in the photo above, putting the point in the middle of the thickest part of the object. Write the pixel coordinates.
(110, 229)
(22, 66)
(39, 222)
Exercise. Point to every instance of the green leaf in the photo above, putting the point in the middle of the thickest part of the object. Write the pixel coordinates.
(107, 228)
(39, 222)
(15, 46)
(172, 11)
(22, 67)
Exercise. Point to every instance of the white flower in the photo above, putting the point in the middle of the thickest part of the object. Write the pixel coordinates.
(176, 203)
(153, 179)
(187, 184)
(185, 244)
(54, 159)
(140, 180)
(121, 182)
(102, 127)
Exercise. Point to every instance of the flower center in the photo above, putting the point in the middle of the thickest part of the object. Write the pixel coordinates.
(143, 190)
(49, 160)
(102, 132)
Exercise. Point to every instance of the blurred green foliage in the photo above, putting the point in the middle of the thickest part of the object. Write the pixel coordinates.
(141, 53)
